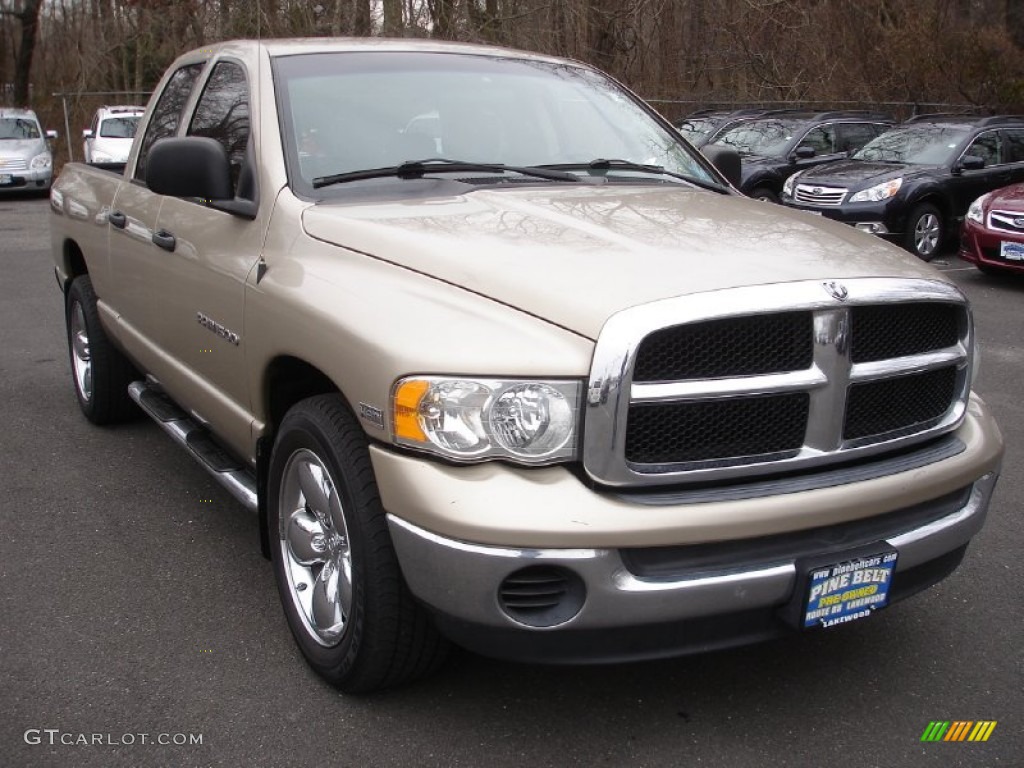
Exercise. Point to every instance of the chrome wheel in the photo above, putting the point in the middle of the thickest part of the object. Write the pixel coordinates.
(81, 357)
(315, 547)
(927, 232)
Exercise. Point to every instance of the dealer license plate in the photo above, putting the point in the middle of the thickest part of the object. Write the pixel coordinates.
(5, 178)
(850, 590)
(1012, 251)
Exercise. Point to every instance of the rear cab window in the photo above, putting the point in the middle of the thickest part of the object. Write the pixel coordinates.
(167, 112)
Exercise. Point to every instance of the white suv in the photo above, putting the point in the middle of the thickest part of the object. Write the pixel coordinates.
(108, 139)
(25, 159)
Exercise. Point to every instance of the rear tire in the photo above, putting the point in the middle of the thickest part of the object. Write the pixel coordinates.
(343, 594)
(100, 372)
(925, 233)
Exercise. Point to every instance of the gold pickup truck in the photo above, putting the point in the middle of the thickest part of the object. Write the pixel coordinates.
(498, 359)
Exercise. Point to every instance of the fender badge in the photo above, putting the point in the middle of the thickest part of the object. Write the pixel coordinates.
(836, 290)
(372, 414)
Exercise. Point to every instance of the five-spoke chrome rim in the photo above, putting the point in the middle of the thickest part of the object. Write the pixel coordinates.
(926, 234)
(81, 356)
(315, 547)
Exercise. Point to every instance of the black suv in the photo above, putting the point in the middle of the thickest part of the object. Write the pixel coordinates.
(915, 183)
(779, 143)
(706, 125)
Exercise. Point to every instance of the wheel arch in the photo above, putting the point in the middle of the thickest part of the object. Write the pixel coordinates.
(72, 263)
(286, 381)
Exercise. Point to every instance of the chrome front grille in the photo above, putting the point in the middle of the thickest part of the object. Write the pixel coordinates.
(817, 195)
(1006, 221)
(697, 388)
(8, 164)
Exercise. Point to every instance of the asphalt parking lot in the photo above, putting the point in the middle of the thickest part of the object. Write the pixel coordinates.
(136, 606)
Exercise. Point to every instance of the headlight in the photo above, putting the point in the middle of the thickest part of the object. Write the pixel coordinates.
(466, 419)
(974, 212)
(41, 162)
(882, 191)
(787, 185)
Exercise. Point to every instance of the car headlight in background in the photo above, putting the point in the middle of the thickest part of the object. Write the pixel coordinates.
(102, 157)
(974, 212)
(787, 185)
(882, 191)
(470, 419)
(41, 162)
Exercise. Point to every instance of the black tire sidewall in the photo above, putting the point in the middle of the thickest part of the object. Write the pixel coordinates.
(111, 371)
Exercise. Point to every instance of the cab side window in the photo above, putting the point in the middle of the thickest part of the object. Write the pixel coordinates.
(167, 112)
(853, 136)
(986, 147)
(223, 114)
(1013, 146)
(822, 139)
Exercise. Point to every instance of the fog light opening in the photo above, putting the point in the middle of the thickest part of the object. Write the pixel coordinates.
(542, 596)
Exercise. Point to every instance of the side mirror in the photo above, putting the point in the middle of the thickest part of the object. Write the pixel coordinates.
(804, 152)
(194, 166)
(971, 163)
(726, 161)
(51, 135)
(87, 133)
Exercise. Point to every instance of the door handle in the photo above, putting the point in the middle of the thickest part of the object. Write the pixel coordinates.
(118, 219)
(165, 240)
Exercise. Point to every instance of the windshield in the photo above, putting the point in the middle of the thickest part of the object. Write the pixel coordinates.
(18, 128)
(770, 138)
(917, 145)
(697, 128)
(350, 112)
(119, 127)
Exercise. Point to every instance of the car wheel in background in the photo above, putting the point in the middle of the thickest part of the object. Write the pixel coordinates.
(765, 195)
(100, 372)
(343, 594)
(925, 232)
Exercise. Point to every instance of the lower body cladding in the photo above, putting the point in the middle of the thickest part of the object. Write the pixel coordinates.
(608, 604)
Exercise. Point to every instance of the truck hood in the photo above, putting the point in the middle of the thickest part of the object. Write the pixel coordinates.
(575, 255)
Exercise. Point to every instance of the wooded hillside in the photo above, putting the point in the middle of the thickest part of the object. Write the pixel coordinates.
(679, 54)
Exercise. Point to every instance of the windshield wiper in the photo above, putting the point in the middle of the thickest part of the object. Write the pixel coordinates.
(419, 168)
(601, 166)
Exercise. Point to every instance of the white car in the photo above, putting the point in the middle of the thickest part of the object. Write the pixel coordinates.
(25, 159)
(108, 139)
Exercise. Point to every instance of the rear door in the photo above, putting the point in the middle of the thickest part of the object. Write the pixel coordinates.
(135, 262)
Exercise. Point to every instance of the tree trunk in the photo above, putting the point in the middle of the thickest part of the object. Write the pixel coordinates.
(29, 19)
(392, 18)
(361, 21)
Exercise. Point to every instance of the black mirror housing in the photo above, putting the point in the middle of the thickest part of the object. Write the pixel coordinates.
(726, 161)
(194, 166)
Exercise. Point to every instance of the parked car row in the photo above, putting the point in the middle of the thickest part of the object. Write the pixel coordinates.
(917, 183)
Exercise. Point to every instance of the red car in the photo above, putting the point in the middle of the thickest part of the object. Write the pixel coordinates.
(992, 236)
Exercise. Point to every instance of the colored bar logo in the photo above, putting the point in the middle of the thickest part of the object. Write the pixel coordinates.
(959, 730)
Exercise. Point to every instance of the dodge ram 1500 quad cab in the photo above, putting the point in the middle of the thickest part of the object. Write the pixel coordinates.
(498, 359)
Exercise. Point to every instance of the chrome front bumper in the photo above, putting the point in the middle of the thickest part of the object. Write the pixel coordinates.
(460, 580)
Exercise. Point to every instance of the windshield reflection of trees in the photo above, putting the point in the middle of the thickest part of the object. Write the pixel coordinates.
(924, 145)
(759, 137)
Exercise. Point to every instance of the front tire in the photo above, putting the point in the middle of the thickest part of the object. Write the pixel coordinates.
(765, 195)
(337, 574)
(100, 372)
(925, 232)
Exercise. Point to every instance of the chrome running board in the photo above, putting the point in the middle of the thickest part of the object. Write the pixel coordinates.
(237, 479)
